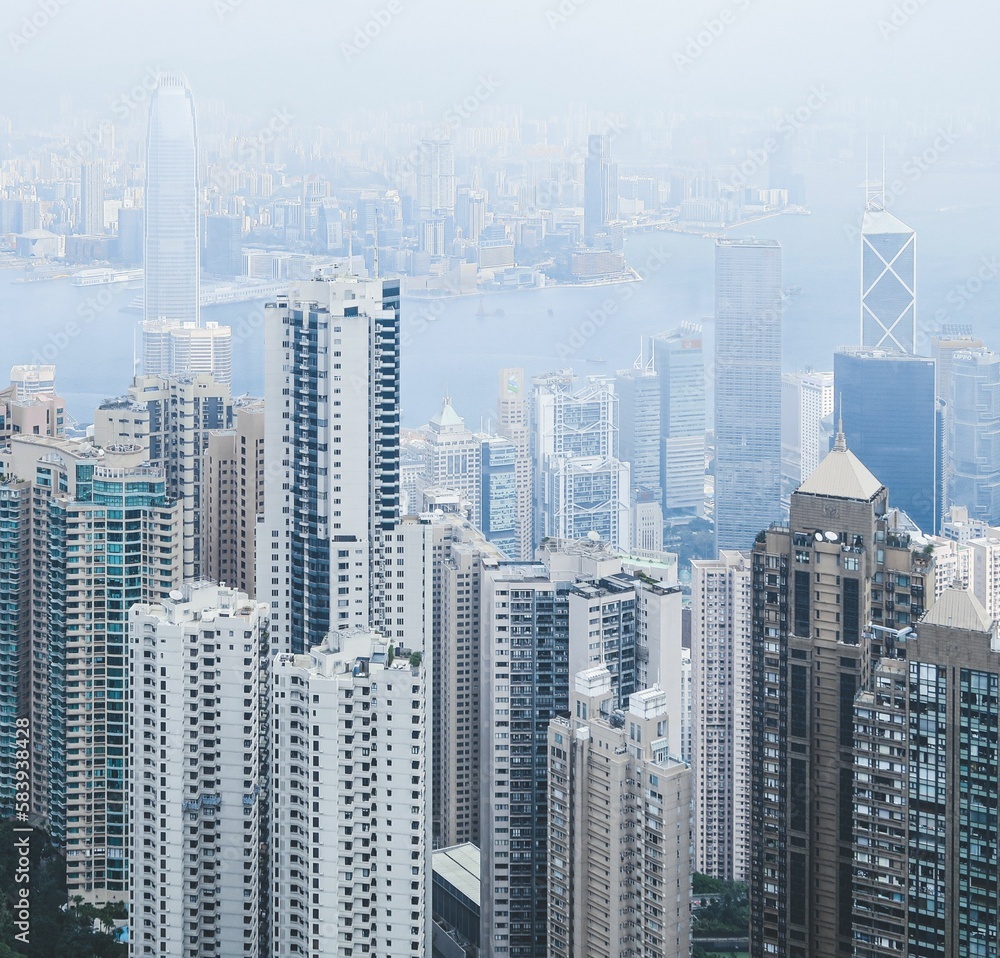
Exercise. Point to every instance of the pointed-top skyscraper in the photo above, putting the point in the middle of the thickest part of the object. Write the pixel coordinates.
(888, 278)
(171, 231)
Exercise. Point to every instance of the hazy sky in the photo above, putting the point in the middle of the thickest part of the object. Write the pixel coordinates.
(610, 54)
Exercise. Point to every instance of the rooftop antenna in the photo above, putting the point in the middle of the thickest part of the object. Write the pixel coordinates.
(874, 192)
(840, 443)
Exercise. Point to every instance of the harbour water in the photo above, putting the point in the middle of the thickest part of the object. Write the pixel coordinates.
(457, 345)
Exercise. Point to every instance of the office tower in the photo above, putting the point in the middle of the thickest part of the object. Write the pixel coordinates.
(223, 254)
(460, 554)
(91, 220)
(583, 496)
(197, 789)
(600, 188)
(830, 590)
(131, 235)
(581, 486)
(747, 389)
(179, 349)
(169, 418)
(436, 180)
(925, 832)
(888, 281)
(806, 399)
(350, 824)
(513, 423)
(234, 498)
(30, 406)
(680, 368)
(894, 424)
(454, 459)
(172, 237)
(953, 338)
(720, 714)
(646, 521)
(331, 428)
(640, 432)
(499, 494)
(974, 433)
(619, 839)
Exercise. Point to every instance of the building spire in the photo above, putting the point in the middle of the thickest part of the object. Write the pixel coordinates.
(840, 442)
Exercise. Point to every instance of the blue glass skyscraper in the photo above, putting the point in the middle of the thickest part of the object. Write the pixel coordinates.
(894, 424)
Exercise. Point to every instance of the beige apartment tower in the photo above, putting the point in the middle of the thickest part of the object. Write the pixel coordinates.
(619, 835)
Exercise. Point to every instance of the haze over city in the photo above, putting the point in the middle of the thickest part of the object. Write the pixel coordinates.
(499, 480)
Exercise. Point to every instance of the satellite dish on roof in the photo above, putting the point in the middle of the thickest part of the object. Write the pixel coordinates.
(819, 536)
(831, 536)
(177, 595)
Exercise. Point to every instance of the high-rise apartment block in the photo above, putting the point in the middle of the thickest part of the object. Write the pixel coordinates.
(575, 605)
(197, 792)
(831, 592)
(331, 429)
(619, 837)
(720, 713)
(170, 418)
(350, 853)
(436, 180)
(234, 497)
(926, 789)
(30, 406)
(747, 377)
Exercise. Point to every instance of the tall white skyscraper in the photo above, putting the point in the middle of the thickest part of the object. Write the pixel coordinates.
(514, 423)
(331, 428)
(172, 241)
(436, 179)
(195, 757)
(350, 820)
(720, 721)
(806, 399)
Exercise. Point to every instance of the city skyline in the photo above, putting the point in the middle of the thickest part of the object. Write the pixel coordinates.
(499, 483)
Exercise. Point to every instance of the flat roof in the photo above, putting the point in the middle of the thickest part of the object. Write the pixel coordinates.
(459, 866)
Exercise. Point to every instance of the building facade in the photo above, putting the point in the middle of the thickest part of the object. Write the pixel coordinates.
(197, 790)
(349, 824)
(619, 839)
(331, 427)
(830, 590)
(720, 713)
(747, 377)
